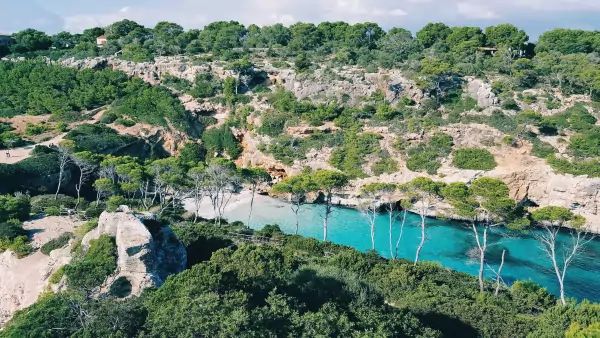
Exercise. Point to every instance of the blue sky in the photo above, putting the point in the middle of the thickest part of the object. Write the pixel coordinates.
(534, 16)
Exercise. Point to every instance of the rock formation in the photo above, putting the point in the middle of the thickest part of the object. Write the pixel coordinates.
(145, 259)
(482, 92)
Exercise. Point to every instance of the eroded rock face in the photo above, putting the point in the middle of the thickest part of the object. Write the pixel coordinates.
(346, 84)
(482, 92)
(145, 259)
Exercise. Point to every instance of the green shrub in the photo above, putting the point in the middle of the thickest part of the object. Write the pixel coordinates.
(272, 123)
(57, 275)
(473, 159)
(14, 207)
(221, 141)
(19, 245)
(114, 202)
(56, 243)
(510, 104)
(385, 165)
(426, 157)
(50, 205)
(11, 229)
(35, 129)
(90, 270)
(124, 122)
(109, 117)
(586, 143)
(350, 157)
(587, 167)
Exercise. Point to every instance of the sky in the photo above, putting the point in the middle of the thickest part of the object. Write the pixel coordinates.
(534, 16)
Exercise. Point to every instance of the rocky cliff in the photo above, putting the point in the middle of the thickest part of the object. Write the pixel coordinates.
(145, 258)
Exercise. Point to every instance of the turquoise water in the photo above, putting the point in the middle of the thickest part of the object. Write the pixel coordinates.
(447, 243)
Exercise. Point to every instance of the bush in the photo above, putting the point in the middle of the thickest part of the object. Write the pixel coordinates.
(473, 159)
(56, 243)
(50, 206)
(57, 275)
(510, 104)
(221, 141)
(11, 229)
(272, 123)
(14, 207)
(350, 157)
(426, 157)
(385, 165)
(586, 143)
(95, 266)
(114, 202)
(19, 245)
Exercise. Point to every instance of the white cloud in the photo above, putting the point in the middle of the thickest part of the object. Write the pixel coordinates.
(475, 11)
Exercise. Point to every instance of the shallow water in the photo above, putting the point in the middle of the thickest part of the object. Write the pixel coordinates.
(447, 243)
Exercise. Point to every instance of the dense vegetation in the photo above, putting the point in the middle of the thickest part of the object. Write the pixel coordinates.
(296, 286)
(292, 286)
(34, 87)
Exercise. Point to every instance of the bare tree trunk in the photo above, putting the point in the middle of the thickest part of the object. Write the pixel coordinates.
(498, 274)
(390, 226)
(295, 209)
(400, 236)
(251, 204)
(482, 249)
(422, 214)
(549, 246)
(326, 217)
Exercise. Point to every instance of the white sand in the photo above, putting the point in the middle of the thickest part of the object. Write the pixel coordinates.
(23, 280)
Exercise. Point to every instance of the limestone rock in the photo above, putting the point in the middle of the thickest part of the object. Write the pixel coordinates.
(145, 259)
(482, 92)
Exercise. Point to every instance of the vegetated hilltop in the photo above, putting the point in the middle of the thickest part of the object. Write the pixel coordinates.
(293, 286)
(371, 103)
(456, 104)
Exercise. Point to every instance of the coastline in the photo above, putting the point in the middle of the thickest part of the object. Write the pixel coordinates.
(438, 211)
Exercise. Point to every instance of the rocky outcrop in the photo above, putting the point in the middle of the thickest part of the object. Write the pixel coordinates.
(145, 259)
(345, 84)
(151, 72)
(482, 92)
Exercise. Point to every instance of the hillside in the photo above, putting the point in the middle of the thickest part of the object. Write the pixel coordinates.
(129, 135)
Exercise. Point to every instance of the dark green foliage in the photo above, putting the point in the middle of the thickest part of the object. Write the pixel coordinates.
(287, 149)
(56, 243)
(473, 159)
(153, 105)
(41, 203)
(385, 165)
(36, 174)
(587, 167)
(205, 86)
(272, 123)
(192, 153)
(221, 141)
(14, 207)
(101, 139)
(37, 88)
(586, 143)
(426, 157)
(90, 270)
(293, 289)
(350, 157)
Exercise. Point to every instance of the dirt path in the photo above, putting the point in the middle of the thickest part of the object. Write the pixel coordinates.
(21, 153)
